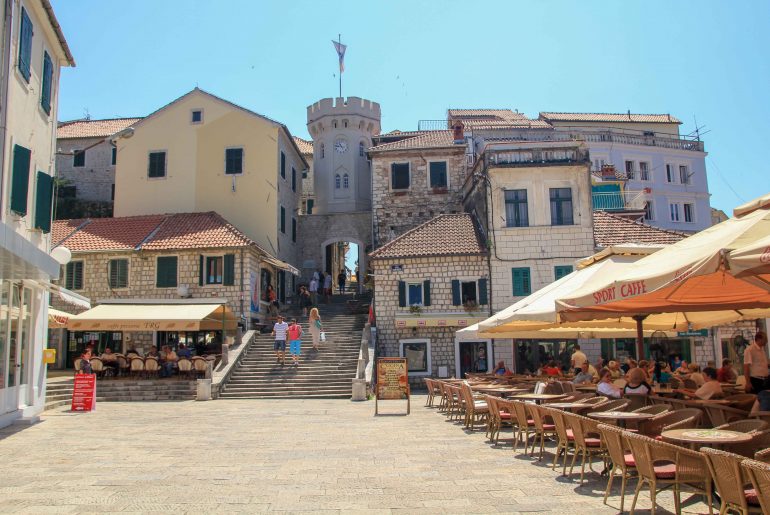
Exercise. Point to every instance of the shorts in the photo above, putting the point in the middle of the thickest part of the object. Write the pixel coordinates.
(280, 345)
(294, 347)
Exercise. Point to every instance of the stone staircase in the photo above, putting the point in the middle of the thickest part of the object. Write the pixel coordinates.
(326, 373)
(59, 393)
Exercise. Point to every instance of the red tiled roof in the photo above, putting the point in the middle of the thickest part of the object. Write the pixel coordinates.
(150, 232)
(445, 235)
(425, 139)
(612, 229)
(609, 117)
(93, 128)
(305, 147)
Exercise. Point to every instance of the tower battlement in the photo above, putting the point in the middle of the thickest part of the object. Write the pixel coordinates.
(340, 106)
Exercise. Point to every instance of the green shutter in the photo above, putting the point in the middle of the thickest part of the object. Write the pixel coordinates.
(201, 270)
(283, 165)
(482, 292)
(561, 271)
(426, 293)
(456, 296)
(166, 272)
(521, 282)
(25, 44)
(401, 294)
(45, 96)
(20, 179)
(228, 278)
(43, 200)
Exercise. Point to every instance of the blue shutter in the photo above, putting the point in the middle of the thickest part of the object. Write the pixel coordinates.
(426, 293)
(45, 96)
(228, 276)
(25, 44)
(20, 179)
(482, 292)
(43, 199)
(401, 294)
(456, 296)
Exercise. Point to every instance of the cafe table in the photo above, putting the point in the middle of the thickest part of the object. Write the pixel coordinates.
(695, 438)
(499, 390)
(620, 417)
(539, 397)
(570, 406)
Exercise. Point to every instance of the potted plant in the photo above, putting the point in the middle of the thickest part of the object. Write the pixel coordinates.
(415, 309)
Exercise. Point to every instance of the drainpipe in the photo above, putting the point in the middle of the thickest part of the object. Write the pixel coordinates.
(4, 80)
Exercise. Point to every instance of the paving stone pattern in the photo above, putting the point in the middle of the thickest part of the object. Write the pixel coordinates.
(297, 455)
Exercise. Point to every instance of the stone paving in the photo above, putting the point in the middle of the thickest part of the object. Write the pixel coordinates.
(281, 456)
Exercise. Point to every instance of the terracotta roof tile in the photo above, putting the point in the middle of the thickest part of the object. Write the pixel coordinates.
(444, 235)
(60, 229)
(196, 230)
(424, 139)
(93, 128)
(609, 117)
(305, 147)
(612, 229)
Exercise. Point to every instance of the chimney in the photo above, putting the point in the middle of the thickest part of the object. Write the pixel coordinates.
(608, 172)
(457, 132)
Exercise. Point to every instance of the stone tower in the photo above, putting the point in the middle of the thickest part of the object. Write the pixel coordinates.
(342, 130)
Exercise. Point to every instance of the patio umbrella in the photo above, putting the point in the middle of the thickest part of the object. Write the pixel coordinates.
(752, 262)
(687, 280)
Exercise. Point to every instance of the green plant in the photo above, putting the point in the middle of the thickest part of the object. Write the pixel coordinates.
(415, 309)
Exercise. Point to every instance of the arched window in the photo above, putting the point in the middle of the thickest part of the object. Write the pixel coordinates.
(345, 181)
(337, 181)
(334, 124)
(323, 150)
(361, 149)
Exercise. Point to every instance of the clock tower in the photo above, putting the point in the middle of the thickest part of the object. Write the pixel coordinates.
(342, 131)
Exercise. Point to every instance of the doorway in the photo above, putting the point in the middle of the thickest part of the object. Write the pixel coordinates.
(15, 338)
(474, 358)
(341, 265)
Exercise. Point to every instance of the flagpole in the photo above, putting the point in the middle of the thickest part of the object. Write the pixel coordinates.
(339, 40)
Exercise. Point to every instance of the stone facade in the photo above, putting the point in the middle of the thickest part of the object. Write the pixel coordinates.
(96, 179)
(395, 212)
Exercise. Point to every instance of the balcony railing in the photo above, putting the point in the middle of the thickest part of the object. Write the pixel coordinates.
(529, 157)
(619, 200)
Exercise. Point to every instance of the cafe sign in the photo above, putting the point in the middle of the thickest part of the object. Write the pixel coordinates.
(392, 382)
(697, 334)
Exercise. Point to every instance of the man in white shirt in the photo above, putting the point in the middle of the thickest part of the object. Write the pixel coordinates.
(314, 290)
(711, 389)
(577, 358)
(755, 364)
(279, 331)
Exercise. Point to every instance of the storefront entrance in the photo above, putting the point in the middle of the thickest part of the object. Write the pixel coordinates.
(199, 342)
(658, 349)
(77, 341)
(474, 358)
(533, 354)
(15, 334)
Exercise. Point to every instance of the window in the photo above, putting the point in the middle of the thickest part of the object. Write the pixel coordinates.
(644, 171)
(20, 179)
(361, 149)
(561, 206)
(684, 174)
(414, 294)
(438, 176)
(73, 276)
(561, 271)
(309, 206)
(522, 284)
(649, 211)
(197, 116)
(399, 176)
(233, 161)
(417, 354)
(323, 150)
(469, 293)
(337, 181)
(689, 213)
(112, 191)
(283, 219)
(43, 201)
(118, 273)
(114, 156)
(214, 269)
(294, 229)
(670, 174)
(293, 179)
(157, 165)
(78, 158)
(68, 191)
(516, 210)
(283, 165)
(25, 44)
(674, 209)
(166, 272)
(630, 173)
(45, 90)
(598, 163)
(345, 181)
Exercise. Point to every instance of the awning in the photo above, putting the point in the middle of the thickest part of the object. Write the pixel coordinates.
(556, 333)
(68, 296)
(154, 317)
(20, 259)
(58, 319)
(281, 264)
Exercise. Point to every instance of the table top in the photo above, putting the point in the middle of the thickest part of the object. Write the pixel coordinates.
(586, 387)
(620, 415)
(568, 405)
(540, 396)
(715, 436)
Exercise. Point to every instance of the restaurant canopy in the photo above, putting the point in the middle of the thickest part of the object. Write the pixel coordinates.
(58, 319)
(155, 317)
(473, 332)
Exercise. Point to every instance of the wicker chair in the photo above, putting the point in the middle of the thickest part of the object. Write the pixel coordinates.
(475, 410)
(677, 419)
(524, 424)
(137, 367)
(690, 384)
(742, 401)
(638, 400)
(587, 441)
(444, 392)
(593, 400)
(567, 386)
(661, 465)
(720, 415)
(613, 405)
(151, 367)
(435, 391)
(124, 367)
(760, 442)
(76, 364)
(554, 388)
(759, 474)
(565, 440)
(498, 417)
(185, 367)
(654, 409)
(620, 457)
(763, 456)
(730, 481)
(544, 426)
(745, 426)
(576, 396)
(97, 367)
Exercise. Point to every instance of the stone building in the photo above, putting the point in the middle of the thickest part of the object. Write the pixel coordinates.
(172, 256)
(415, 179)
(85, 160)
(307, 200)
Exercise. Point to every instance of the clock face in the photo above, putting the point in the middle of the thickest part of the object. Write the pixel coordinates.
(341, 146)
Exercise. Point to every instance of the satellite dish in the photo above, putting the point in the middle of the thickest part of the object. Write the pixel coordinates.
(62, 255)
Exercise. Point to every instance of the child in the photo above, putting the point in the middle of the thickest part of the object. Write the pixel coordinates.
(295, 341)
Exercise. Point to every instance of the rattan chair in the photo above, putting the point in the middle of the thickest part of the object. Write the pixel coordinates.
(637, 400)
(587, 443)
(576, 396)
(434, 392)
(76, 364)
(759, 442)
(613, 405)
(720, 415)
(524, 424)
(620, 457)
(151, 366)
(690, 384)
(745, 426)
(730, 481)
(565, 440)
(544, 426)
(742, 401)
(200, 366)
(763, 456)
(124, 367)
(475, 410)
(185, 367)
(677, 419)
(654, 409)
(498, 417)
(567, 386)
(661, 465)
(97, 367)
(593, 400)
(759, 475)
(137, 367)
(444, 392)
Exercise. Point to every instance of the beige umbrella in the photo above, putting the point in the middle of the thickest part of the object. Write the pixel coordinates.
(752, 262)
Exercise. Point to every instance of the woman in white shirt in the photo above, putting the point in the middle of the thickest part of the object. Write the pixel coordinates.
(605, 386)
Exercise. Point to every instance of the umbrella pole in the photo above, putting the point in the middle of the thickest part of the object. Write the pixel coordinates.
(639, 336)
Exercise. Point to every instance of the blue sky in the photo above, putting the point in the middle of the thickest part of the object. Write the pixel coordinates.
(706, 60)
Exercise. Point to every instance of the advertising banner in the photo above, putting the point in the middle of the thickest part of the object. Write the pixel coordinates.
(392, 381)
(84, 393)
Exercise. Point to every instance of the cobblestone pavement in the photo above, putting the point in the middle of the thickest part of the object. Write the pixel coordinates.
(270, 455)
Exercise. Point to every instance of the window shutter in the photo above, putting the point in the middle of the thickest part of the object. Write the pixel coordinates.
(43, 199)
(201, 270)
(20, 180)
(401, 294)
(482, 292)
(167, 268)
(228, 278)
(25, 44)
(426, 293)
(456, 296)
(45, 97)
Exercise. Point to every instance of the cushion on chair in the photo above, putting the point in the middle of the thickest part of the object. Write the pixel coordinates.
(549, 427)
(751, 496)
(667, 471)
(629, 459)
(530, 422)
(593, 442)
(570, 435)
(505, 415)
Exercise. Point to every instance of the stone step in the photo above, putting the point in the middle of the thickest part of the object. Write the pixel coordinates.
(331, 395)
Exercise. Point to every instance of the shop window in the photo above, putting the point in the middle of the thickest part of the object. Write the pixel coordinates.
(73, 276)
(118, 273)
(417, 354)
(399, 176)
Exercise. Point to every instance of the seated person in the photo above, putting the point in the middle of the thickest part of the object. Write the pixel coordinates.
(696, 375)
(711, 389)
(153, 353)
(605, 386)
(726, 374)
(584, 376)
(614, 369)
(109, 360)
(628, 365)
(183, 351)
(593, 372)
(683, 369)
(662, 372)
(636, 383)
(168, 362)
(551, 369)
(502, 370)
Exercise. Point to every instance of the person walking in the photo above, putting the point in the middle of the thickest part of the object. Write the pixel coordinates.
(316, 327)
(295, 341)
(304, 300)
(755, 364)
(327, 287)
(341, 281)
(279, 331)
(314, 290)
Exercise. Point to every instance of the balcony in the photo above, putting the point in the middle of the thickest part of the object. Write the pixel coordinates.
(536, 157)
(618, 200)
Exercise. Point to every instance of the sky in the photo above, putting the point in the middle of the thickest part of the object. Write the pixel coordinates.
(706, 61)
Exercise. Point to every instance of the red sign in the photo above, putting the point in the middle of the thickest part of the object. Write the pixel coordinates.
(84, 392)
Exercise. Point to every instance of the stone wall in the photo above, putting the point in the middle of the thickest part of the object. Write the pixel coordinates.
(396, 212)
(95, 180)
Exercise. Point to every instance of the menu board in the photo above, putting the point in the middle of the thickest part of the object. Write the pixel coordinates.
(392, 381)
(84, 392)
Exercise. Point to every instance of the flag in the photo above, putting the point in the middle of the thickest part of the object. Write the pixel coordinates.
(340, 48)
